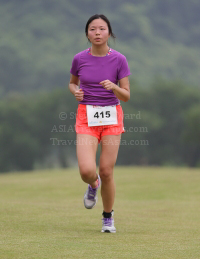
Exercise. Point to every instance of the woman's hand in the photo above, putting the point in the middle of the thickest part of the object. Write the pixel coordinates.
(108, 85)
(79, 95)
(122, 91)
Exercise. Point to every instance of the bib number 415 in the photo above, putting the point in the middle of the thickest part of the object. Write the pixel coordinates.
(102, 114)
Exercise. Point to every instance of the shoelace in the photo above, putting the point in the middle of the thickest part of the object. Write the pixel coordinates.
(91, 193)
(107, 222)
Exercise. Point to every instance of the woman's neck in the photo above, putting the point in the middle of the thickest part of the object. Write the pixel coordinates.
(99, 51)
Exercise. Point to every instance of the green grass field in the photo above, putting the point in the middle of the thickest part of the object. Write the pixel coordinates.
(157, 215)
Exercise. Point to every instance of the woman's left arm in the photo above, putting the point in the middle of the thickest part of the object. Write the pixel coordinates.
(122, 91)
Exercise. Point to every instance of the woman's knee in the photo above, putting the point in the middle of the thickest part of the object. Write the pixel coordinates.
(87, 172)
(106, 173)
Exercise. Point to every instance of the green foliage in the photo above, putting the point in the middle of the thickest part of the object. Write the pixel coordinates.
(40, 38)
(18, 147)
(191, 134)
(192, 130)
(31, 125)
(161, 122)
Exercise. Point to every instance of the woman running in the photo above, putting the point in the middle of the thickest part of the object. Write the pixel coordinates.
(102, 74)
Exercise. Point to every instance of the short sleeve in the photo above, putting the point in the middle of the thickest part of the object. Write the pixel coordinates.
(75, 66)
(123, 68)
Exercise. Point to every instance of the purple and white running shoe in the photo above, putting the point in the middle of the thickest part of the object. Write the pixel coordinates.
(108, 225)
(90, 197)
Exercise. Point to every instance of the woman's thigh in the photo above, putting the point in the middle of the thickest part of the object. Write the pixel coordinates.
(86, 151)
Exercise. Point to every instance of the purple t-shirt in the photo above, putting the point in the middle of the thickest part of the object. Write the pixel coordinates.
(91, 70)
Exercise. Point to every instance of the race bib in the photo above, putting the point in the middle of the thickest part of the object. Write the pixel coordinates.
(101, 115)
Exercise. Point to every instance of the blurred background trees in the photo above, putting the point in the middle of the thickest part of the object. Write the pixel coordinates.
(161, 122)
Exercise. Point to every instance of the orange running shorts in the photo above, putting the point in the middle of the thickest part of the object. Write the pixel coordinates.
(82, 127)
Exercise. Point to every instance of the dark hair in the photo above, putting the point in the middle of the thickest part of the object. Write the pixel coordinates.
(103, 17)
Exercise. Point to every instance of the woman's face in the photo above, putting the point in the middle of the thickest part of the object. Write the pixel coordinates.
(98, 32)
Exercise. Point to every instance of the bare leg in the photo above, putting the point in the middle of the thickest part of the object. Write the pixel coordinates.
(110, 146)
(86, 153)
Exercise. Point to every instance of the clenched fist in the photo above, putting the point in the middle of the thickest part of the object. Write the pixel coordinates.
(108, 85)
(79, 95)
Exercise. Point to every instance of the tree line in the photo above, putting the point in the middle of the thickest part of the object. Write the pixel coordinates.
(39, 39)
(161, 122)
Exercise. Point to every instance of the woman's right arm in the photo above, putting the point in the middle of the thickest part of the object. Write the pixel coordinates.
(74, 88)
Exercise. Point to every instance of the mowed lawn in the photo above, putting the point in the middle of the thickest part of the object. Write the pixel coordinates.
(157, 215)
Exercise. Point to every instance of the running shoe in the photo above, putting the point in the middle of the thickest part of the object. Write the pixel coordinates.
(108, 225)
(90, 197)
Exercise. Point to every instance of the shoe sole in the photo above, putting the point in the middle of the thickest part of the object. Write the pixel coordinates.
(89, 208)
(108, 231)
